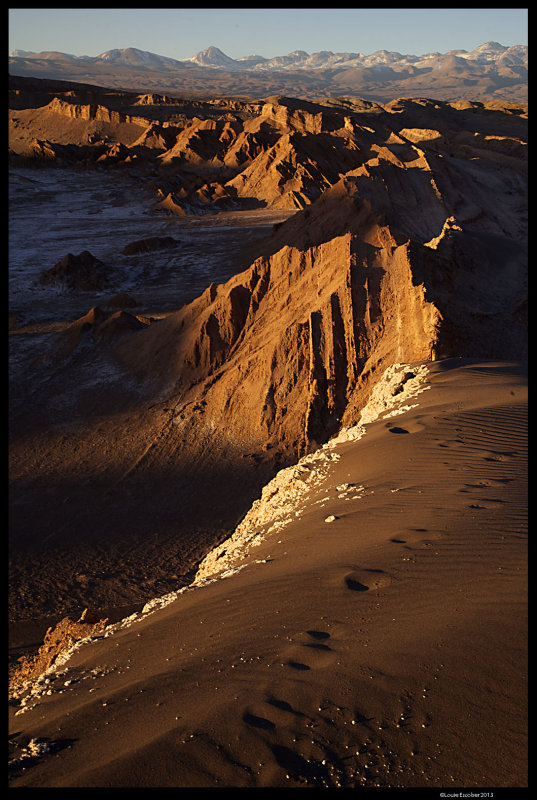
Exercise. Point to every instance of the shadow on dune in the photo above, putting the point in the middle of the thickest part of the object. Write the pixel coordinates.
(520, 368)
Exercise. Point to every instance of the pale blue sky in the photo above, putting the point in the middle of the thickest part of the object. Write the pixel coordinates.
(181, 33)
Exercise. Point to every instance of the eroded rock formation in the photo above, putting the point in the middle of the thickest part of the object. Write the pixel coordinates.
(282, 152)
(410, 245)
(83, 272)
(58, 639)
(407, 257)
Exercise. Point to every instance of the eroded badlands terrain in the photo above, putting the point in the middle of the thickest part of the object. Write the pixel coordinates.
(202, 292)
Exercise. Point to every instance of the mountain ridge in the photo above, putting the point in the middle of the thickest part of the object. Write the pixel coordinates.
(489, 72)
(213, 57)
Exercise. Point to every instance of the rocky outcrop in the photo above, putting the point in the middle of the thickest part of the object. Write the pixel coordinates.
(152, 99)
(95, 111)
(115, 153)
(83, 272)
(291, 383)
(203, 141)
(102, 326)
(156, 137)
(299, 115)
(58, 640)
(43, 149)
(295, 170)
(283, 157)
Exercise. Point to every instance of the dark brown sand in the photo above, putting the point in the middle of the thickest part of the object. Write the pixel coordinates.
(386, 648)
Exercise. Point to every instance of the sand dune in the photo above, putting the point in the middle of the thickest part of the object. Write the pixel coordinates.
(386, 647)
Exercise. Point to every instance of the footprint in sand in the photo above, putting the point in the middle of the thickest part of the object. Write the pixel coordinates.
(320, 635)
(273, 713)
(414, 538)
(487, 502)
(283, 705)
(487, 483)
(307, 770)
(499, 455)
(484, 502)
(355, 585)
(305, 655)
(299, 665)
(312, 656)
(413, 426)
(363, 580)
(258, 722)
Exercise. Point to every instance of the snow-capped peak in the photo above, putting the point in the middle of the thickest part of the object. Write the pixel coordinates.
(21, 53)
(254, 57)
(212, 57)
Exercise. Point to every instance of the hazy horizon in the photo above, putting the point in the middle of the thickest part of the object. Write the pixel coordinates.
(181, 33)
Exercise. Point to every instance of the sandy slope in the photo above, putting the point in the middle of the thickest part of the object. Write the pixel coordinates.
(384, 648)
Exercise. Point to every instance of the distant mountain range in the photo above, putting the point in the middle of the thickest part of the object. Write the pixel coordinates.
(490, 52)
(490, 70)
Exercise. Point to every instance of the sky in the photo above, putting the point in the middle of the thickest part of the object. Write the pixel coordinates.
(181, 33)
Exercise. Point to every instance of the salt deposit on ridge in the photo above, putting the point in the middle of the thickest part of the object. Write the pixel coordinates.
(280, 498)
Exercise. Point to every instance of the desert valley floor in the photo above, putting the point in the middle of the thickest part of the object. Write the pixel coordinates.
(268, 442)
(103, 216)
